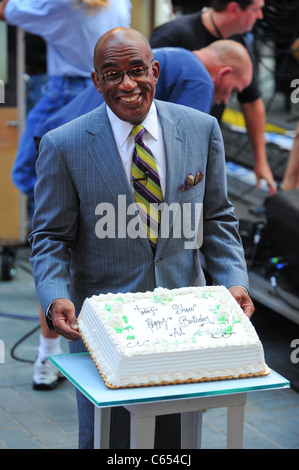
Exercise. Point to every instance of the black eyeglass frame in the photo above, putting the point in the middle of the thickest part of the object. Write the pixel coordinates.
(122, 74)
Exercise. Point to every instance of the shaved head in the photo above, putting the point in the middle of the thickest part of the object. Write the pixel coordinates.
(231, 52)
(120, 35)
(229, 65)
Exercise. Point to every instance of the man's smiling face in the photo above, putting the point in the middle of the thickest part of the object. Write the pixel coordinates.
(120, 51)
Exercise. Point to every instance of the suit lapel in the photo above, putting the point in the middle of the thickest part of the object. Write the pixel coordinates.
(103, 150)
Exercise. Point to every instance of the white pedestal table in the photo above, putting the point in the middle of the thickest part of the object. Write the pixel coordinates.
(145, 403)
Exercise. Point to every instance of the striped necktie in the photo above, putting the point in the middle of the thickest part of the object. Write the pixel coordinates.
(146, 184)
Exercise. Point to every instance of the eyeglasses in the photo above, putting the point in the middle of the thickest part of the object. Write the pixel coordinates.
(137, 187)
(135, 73)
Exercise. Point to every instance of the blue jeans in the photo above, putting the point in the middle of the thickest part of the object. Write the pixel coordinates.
(34, 89)
(57, 92)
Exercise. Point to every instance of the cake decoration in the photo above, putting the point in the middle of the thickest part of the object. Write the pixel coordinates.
(170, 336)
(162, 296)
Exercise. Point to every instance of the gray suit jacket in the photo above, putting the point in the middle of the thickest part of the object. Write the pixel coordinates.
(81, 181)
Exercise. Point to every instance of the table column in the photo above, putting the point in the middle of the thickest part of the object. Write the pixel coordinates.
(235, 423)
(191, 429)
(101, 427)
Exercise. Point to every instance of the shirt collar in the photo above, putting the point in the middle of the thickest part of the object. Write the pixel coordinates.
(122, 129)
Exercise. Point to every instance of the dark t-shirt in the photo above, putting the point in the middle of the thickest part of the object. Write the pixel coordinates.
(188, 31)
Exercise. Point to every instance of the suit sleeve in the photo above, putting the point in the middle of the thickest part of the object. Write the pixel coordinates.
(54, 224)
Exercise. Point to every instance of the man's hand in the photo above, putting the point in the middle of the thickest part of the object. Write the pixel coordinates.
(243, 299)
(262, 171)
(64, 319)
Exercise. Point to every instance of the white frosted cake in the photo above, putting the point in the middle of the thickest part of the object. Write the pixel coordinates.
(170, 336)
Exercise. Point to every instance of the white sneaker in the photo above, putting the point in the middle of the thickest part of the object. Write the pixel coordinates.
(45, 375)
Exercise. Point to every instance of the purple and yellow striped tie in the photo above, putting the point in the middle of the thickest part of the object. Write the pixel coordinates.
(146, 184)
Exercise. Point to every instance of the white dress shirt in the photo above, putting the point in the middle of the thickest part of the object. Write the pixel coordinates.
(153, 138)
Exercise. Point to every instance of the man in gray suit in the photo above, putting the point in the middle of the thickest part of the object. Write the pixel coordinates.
(84, 169)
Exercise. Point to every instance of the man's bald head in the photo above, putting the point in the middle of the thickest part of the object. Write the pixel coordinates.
(229, 52)
(229, 65)
(122, 35)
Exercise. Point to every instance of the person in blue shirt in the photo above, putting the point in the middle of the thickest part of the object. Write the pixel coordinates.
(70, 29)
(197, 79)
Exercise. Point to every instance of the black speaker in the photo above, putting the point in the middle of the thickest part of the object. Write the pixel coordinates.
(282, 211)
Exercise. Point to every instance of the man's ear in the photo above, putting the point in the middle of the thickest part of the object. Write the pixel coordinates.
(224, 71)
(96, 81)
(156, 70)
(233, 9)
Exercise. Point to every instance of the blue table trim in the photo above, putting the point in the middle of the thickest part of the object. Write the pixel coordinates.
(81, 371)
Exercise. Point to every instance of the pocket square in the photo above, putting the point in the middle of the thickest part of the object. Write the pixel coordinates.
(192, 181)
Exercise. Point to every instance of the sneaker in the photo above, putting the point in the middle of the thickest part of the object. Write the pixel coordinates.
(45, 375)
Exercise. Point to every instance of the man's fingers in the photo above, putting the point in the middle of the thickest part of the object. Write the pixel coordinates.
(64, 319)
